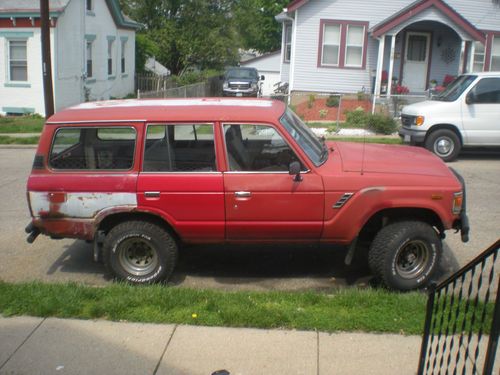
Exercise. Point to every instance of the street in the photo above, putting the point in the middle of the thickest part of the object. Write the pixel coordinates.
(229, 267)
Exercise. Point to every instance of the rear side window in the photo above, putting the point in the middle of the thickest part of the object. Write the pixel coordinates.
(93, 148)
(180, 148)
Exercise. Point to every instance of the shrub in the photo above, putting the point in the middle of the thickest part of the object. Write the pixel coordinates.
(310, 101)
(333, 101)
(381, 124)
(362, 96)
(356, 118)
(323, 113)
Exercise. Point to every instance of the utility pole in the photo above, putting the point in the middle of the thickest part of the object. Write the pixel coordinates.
(48, 92)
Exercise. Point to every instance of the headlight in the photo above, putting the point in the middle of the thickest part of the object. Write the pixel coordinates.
(225, 85)
(458, 200)
(419, 120)
(254, 86)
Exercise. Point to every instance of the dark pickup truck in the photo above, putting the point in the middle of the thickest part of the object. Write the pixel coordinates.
(241, 82)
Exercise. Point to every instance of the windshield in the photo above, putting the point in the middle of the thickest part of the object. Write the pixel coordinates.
(455, 89)
(306, 139)
(242, 74)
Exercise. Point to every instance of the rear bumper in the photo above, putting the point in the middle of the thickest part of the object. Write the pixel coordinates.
(462, 224)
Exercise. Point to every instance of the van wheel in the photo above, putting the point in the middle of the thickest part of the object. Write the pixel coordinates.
(140, 252)
(444, 143)
(405, 255)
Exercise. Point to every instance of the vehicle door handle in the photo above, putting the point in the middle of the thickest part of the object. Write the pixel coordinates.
(242, 194)
(152, 194)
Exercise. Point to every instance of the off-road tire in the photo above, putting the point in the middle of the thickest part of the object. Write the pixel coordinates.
(140, 252)
(393, 248)
(448, 137)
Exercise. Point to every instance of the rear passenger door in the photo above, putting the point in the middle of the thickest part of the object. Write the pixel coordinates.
(179, 180)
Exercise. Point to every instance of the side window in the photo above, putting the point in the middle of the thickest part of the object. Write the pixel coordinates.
(180, 148)
(93, 148)
(257, 148)
(487, 91)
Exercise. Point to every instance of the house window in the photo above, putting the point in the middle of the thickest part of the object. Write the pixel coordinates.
(18, 61)
(495, 54)
(123, 56)
(89, 58)
(88, 5)
(331, 45)
(354, 46)
(479, 53)
(288, 42)
(342, 44)
(110, 57)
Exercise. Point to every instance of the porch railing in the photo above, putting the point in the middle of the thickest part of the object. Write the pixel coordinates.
(463, 319)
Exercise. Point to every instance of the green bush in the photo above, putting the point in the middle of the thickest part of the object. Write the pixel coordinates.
(323, 113)
(381, 124)
(333, 101)
(356, 119)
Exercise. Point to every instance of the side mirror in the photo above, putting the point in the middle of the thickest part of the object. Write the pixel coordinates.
(294, 170)
(470, 98)
(262, 78)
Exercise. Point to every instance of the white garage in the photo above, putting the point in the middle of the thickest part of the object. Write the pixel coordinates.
(269, 66)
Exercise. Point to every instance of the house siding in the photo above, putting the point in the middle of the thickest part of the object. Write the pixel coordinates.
(29, 98)
(483, 14)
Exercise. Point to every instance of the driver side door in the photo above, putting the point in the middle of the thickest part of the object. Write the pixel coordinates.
(262, 200)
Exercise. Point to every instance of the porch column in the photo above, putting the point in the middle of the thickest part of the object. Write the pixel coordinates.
(391, 65)
(462, 57)
(471, 57)
(378, 75)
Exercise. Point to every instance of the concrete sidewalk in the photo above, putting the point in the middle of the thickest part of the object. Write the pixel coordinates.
(58, 346)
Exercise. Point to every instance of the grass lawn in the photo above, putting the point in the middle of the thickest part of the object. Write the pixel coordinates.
(21, 124)
(342, 125)
(5, 140)
(350, 309)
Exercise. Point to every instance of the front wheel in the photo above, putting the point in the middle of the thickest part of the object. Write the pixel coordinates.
(140, 252)
(444, 143)
(405, 255)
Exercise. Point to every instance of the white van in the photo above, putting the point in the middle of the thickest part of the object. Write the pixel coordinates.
(466, 114)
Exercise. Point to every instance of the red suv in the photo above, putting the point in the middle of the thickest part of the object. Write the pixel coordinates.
(139, 178)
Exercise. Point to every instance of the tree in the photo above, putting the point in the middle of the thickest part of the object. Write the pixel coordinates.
(258, 29)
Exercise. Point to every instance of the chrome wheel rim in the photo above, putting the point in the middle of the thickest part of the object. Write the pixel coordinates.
(137, 256)
(444, 146)
(412, 259)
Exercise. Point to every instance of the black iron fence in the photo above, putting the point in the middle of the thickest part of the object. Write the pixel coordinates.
(463, 320)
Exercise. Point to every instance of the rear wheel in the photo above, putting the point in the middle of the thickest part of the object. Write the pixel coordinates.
(140, 252)
(405, 255)
(444, 143)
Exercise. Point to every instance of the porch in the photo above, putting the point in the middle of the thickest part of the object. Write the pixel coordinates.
(423, 47)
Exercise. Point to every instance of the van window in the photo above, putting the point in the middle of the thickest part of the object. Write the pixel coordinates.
(93, 148)
(487, 91)
(180, 148)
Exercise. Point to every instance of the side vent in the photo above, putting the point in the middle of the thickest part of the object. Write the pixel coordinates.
(343, 200)
(38, 162)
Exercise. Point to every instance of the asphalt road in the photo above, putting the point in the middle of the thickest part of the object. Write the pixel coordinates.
(228, 267)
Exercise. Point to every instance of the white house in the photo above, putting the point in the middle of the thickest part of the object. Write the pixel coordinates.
(353, 45)
(92, 49)
(269, 66)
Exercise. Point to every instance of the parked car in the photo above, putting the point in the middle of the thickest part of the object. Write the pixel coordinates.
(140, 178)
(465, 114)
(242, 82)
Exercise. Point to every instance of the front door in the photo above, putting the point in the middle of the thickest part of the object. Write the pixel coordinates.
(416, 61)
(264, 202)
(481, 111)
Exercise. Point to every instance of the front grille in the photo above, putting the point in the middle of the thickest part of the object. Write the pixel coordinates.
(407, 120)
(239, 86)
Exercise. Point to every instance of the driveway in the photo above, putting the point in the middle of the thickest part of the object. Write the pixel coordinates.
(228, 267)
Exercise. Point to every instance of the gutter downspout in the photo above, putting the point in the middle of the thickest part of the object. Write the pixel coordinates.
(292, 57)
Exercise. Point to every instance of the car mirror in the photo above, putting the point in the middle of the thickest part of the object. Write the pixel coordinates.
(294, 170)
(469, 99)
(262, 78)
